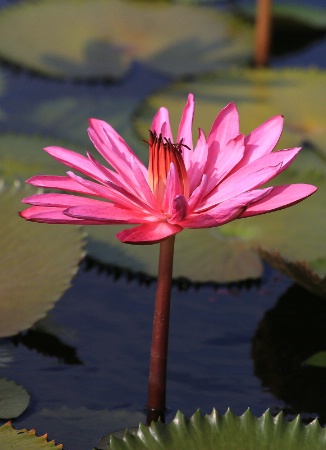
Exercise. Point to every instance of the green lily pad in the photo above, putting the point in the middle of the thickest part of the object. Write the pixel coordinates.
(24, 439)
(227, 432)
(22, 157)
(14, 399)
(299, 271)
(259, 94)
(67, 117)
(317, 360)
(37, 264)
(200, 255)
(100, 39)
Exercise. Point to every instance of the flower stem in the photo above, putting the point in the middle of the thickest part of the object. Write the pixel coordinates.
(263, 32)
(159, 349)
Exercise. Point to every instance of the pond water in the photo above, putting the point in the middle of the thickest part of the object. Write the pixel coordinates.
(108, 323)
(240, 346)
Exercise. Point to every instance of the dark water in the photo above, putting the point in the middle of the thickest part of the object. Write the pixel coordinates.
(109, 324)
(226, 349)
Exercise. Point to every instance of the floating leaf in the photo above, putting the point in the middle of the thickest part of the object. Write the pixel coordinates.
(24, 439)
(101, 39)
(67, 115)
(22, 157)
(14, 399)
(298, 271)
(227, 432)
(37, 264)
(259, 95)
(200, 255)
(318, 360)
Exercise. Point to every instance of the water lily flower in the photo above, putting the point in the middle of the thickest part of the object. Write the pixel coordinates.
(219, 180)
(216, 181)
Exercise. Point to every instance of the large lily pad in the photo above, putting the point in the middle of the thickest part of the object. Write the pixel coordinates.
(101, 39)
(259, 94)
(200, 255)
(24, 439)
(37, 264)
(14, 399)
(21, 157)
(227, 432)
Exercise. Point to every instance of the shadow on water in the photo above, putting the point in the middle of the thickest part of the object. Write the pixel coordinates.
(289, 333)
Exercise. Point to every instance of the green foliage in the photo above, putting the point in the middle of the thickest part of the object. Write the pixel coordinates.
(317, 360)
(227, 432)
(14, 399)
(24, 440)
(100, 39)
(37, 264)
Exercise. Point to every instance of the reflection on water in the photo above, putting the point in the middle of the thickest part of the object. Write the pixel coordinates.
(287, 335)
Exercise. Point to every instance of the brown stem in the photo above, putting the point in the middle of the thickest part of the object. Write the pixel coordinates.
(159, 349)
(263, 32)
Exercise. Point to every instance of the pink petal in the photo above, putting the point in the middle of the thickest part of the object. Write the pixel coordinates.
(251, 176)
(149, 233)
(75, 161)
(225, 212)
(263, 139)
(198, 194)
(161, 124)
(59, 182)
(143, 189)
(108, 174)
(104, 136)
(198, 161)
(116, 154)
(220, 164)
(111, 192)
(280, 197)
(180, 209)
(52, 215)
(225, 127)
(59, 200)
(185, 129)
(172, 189)
(108, 213)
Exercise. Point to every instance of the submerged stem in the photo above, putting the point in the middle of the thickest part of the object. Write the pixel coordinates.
(263, 32)
(159, 349)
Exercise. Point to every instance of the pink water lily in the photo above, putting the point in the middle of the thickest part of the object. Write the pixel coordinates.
(213, 183)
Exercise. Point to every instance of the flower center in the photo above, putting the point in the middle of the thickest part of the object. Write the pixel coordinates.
(162, 152)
